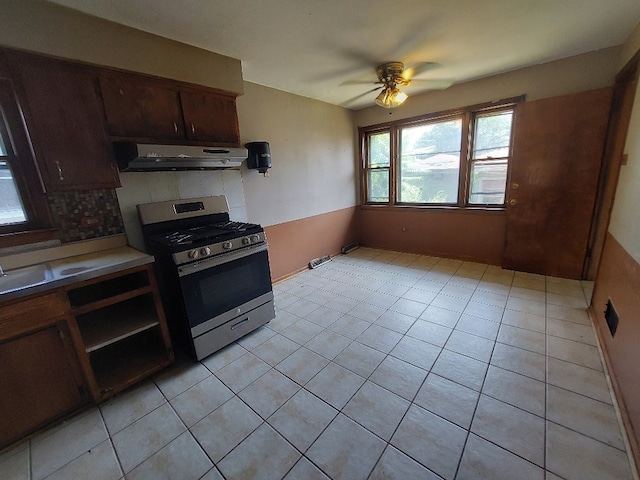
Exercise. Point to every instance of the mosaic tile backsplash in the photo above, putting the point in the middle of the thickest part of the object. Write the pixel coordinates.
(87, 214)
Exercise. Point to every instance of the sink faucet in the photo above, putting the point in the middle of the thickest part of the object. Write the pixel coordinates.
(2, 274)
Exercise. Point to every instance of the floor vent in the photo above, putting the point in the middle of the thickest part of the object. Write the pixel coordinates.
(611, 316)
(316, 262)
(349, 248)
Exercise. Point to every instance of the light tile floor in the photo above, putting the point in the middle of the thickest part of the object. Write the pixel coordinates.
(378, 365)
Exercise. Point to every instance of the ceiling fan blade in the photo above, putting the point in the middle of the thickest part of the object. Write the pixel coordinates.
(358, 97)
(359, 82)
(431, 83)
(415, 69)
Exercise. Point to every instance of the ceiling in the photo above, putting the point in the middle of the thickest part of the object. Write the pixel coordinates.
(319, 48)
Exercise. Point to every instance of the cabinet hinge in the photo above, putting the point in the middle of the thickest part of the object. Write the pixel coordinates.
(61, 334)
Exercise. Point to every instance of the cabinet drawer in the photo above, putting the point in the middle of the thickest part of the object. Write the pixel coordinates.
(25, 315)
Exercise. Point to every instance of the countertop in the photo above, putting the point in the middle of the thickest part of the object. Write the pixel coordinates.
(69, 270)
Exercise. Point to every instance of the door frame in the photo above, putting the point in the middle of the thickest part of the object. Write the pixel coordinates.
(613, 158)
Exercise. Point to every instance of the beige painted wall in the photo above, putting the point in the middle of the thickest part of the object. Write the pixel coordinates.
(625, 216)
(312, 150)
(43, 27)
(575, 74)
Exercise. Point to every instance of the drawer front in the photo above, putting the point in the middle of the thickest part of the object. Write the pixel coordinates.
(226, 333)
(32, 313)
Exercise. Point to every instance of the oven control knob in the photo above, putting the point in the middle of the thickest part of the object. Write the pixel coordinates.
(255, 238)
(204, 251)
(227, 245)
(246, 241)
(193, 254)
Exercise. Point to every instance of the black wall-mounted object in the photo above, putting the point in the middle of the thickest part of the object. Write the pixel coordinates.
(259, 156)
(611, 317)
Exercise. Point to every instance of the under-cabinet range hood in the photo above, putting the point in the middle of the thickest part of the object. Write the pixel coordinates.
(142, 157)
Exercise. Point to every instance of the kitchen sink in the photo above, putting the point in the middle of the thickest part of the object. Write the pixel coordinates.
(24, 277)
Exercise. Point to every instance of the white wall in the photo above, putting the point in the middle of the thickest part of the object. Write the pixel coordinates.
(312, 150)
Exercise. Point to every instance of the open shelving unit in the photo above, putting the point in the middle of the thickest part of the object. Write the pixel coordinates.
(122, 327)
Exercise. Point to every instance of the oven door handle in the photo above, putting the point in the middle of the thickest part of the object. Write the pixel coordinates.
(220, 259)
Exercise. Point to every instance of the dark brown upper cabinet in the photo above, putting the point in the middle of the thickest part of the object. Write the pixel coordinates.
(139, 109)
(210, 117)
(65, 121)
(149, 109)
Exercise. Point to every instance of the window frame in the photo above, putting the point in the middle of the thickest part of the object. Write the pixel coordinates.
(38, 226)
(468, 115)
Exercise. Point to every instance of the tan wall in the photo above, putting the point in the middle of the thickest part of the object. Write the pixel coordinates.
(619, 281)
(43, 27)
(464, 234)
(293, 244)
(312, 151)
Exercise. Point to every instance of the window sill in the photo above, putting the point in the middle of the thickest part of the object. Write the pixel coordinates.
(27, 236)
(448, 209)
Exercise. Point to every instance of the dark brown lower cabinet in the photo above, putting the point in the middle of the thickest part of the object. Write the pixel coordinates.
(76, 345)
(39, 381)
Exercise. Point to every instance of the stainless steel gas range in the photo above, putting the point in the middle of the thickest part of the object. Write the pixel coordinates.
(213, 273)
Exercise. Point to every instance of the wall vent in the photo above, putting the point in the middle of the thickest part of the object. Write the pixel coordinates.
(611, 316)
(349, 248)
(316, 262)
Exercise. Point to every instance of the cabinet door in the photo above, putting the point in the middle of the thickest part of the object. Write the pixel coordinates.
(210, 117)
(137, 109)
(66, 124)
(38, 380)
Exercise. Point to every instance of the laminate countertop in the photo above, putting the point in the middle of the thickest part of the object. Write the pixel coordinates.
(52, 274)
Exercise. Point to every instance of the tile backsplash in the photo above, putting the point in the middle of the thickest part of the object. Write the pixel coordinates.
(82, 215)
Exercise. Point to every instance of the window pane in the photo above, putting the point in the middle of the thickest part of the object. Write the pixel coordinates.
(493, 135)
(488, 182)
(11, 209)
(378, 185)
(430, 162)
(379, 150)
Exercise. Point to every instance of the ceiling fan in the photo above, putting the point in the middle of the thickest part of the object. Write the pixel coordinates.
(392, 75)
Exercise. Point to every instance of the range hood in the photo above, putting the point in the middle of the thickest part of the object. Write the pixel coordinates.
(142, 157)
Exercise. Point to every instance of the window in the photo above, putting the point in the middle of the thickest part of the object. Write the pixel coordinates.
(426, 160)
(12, 211)
(490, 157)
(23, 205)
(430, 162)
(379, 164)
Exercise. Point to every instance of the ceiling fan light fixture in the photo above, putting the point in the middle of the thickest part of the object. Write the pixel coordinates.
(391, 97)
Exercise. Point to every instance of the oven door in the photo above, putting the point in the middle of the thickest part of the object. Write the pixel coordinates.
(225, 286)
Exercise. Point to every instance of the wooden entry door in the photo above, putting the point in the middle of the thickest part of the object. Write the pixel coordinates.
(557, 152)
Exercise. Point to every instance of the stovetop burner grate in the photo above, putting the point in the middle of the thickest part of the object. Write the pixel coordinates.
(208, 232)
